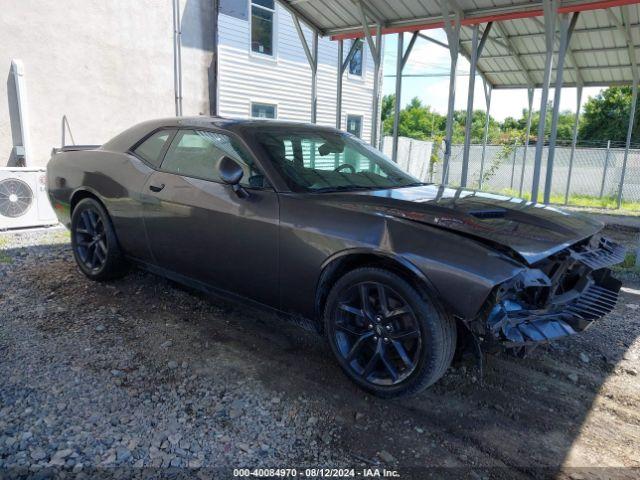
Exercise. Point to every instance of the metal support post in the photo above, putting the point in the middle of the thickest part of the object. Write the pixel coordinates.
(573, 142)
(376, 52)
(513, 163)
(566, 29)
(452, 29)
(340, 73)
(396, 108)
(550, 15)
(314, 79)
(312, 58)
(606, 167)
(177, 57)
(401, 61)
(470, 94)
(487, 97)
(626, 30)
(377, 81)
(530, 92)
(632, 113)
(476, 51)
(342, 66)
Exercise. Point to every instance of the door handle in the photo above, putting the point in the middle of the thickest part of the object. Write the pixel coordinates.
(154, 188)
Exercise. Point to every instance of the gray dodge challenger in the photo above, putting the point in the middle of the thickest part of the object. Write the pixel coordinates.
(315, 224)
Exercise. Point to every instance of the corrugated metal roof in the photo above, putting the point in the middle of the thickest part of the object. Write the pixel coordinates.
(598, 56)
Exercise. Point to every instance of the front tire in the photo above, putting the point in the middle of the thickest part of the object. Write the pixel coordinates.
(389, 338)
(94, 243)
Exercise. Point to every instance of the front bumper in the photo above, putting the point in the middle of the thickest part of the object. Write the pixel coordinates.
(558, 297)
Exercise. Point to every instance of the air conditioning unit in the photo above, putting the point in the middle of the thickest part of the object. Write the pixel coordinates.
(23, 198)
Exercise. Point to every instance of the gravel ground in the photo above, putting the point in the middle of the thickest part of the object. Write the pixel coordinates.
(142, 373)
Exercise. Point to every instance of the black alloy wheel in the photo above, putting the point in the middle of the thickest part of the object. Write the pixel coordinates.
(389, 337)
(94, 243)
(91, 240)
(377, 333)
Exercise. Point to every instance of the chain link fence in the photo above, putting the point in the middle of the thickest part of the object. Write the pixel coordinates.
(596, 171)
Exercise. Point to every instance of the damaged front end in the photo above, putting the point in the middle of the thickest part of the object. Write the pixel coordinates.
(556, 297)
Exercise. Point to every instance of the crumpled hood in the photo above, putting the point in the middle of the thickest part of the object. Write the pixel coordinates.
(534, 231)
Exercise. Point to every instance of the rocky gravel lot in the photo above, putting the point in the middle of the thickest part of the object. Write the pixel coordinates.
(96, 377)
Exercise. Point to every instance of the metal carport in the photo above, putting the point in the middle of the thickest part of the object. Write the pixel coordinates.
(510, 44)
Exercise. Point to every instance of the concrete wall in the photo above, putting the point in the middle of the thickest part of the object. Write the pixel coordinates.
(107, 65)
(285, 79)
(104, 64)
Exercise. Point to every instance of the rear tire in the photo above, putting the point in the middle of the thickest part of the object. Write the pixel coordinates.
(389, 338)
(94, 243)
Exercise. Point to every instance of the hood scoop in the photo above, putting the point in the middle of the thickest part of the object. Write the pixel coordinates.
(487, 214)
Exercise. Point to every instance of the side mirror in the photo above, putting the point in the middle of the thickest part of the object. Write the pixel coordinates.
(231, 173)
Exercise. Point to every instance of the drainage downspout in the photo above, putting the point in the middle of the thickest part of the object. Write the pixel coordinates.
(17, 68)
(177, 56)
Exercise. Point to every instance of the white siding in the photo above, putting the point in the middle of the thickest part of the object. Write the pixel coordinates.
(285, 80)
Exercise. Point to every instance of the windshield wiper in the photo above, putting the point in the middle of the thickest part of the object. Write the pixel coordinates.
(344, 188)
(414, 184)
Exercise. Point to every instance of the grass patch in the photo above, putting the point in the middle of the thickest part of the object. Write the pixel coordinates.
(628, 264)
(587, 201)
(62, 236)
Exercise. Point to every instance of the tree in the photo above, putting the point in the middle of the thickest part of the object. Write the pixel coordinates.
(478, 119)
(386, 110)
(606, 116)
(564, 130)
(416, 121)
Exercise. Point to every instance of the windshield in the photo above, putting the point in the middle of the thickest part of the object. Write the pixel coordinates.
(321, 161)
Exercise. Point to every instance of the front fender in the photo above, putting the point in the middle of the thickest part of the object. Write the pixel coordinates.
(461, 271)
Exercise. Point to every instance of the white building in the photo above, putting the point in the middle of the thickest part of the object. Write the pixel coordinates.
(263, 69)
(107, 65)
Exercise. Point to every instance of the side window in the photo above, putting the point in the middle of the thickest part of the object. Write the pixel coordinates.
(197, 153)
(150, 149)
(355, 65)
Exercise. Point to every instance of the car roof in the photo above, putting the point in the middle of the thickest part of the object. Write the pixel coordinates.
(131, 136)
(204, 121)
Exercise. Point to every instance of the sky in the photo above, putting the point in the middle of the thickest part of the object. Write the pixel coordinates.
(428, 58)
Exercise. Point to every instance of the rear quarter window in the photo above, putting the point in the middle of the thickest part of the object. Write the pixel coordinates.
(151, 148)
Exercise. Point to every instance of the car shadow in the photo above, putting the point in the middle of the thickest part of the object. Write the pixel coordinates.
(566, 410)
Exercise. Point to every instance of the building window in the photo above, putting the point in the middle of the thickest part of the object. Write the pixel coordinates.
(354, 125)
(355, 64)
(262, 19)
(263, 110)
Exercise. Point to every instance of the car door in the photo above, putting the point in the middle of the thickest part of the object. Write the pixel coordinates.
(200, 228)
(125, 182)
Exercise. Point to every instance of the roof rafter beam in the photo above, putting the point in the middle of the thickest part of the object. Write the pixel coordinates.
(294, 12)
(572, 58)
(596, 68)
(373, 15)
(575, 51)
(462, 51)
(515, 53)
(467, 55)
(625, 28)
(518, 10)
(578, 31)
